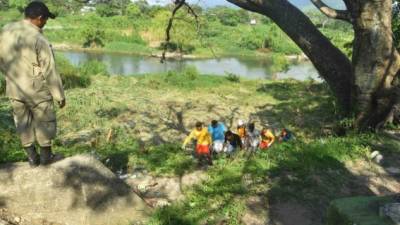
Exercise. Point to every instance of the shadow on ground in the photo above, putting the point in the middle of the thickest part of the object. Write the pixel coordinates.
(286, 185)
(305, 106)
(107, 188)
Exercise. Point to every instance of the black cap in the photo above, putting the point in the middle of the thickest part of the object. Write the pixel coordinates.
(36, 9)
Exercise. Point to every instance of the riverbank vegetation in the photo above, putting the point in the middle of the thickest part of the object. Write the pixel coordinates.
(139, 28)
(140, 121)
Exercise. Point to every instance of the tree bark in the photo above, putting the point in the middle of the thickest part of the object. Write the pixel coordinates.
(375, 61)
(333, 65)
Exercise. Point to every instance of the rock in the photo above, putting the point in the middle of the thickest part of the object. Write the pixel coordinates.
(374, 154)
(391, 210)
(77, 190)
(376, 157)
(393, 170)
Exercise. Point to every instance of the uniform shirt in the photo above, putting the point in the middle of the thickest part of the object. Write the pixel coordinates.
(217, 133)
(202, 137)
(27, 60)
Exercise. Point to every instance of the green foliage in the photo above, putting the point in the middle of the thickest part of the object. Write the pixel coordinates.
(233, 77)
(187, 79)
(251, 42)
(105, 10)
(63, 7)
(174, 160)
(93, 34)
(18, 4)
(92, 68)
(279, 42)
(69, 74)
(124, 47)
(278, 63)
(310, 169)
(4, 4)
(111, 8)
(343, 40)
(191, 72)
(228, 16)
(133, 11)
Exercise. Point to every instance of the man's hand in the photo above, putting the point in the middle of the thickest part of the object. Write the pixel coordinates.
(183, 147)
(61, 103)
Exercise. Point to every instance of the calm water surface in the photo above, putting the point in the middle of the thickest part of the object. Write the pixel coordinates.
(252, 68)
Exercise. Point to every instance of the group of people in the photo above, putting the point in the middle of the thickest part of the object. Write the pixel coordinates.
(217, 139)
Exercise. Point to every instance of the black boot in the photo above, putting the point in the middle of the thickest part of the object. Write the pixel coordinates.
(33, 157)
(47, 157)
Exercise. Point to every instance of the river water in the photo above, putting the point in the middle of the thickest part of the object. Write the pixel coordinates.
(251, 68)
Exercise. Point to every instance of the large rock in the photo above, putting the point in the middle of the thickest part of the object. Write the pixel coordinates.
(76, 191)
(359, 210)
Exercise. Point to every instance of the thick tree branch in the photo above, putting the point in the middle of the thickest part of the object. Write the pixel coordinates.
(191, 11)
(331, 63)
(332, 13)
(178, 5)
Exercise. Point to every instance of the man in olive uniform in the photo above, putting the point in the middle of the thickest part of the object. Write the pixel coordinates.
(32, 83)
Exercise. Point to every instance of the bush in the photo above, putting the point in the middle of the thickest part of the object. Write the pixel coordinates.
(92, 68)
(133, 11)
(70, 74)
(174, 47)
(233, 77)
(170, 46)
(250, 42)
(190, 72)
(92, 33)
(185, 79)
(93, 37)
(105, 10)
(278, 63)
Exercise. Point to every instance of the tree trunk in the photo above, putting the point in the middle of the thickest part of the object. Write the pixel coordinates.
(368, 85)
(375, 61)
(333, 66)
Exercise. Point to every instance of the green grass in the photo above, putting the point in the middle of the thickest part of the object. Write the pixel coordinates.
(285, 172)
(310, 169)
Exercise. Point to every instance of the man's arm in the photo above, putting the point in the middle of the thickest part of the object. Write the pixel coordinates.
(47, 63)
(188, 139)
